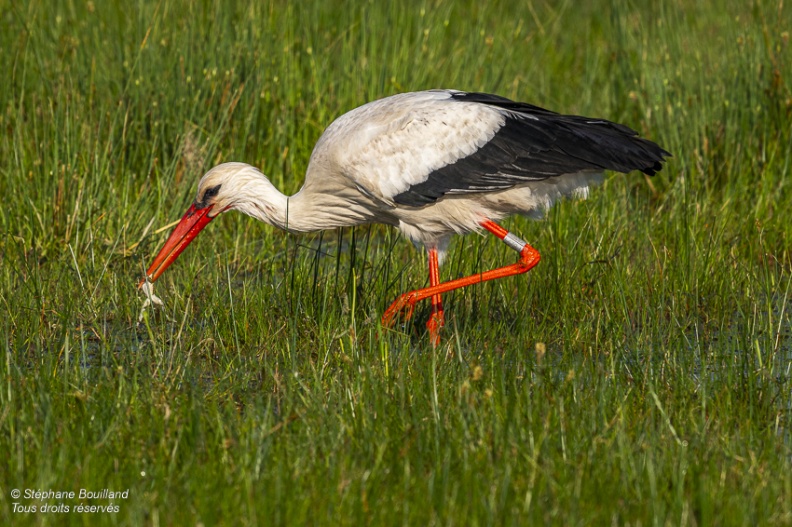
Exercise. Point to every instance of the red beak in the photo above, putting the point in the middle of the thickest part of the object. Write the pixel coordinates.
(193, 221)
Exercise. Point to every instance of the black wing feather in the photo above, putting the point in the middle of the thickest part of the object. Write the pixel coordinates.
(536, 144)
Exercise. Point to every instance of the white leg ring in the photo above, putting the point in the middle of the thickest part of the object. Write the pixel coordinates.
(514, 242)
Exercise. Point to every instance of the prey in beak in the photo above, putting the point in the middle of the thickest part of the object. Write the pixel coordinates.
(193, 222)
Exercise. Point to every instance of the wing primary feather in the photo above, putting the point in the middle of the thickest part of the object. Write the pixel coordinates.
(535, 144)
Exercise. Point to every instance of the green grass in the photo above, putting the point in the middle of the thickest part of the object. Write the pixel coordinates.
(641, 374)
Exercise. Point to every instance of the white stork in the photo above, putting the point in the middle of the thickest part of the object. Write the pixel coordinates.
(431, 163)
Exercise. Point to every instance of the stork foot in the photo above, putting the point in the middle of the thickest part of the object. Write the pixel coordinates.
(405, 302)
(435, 322)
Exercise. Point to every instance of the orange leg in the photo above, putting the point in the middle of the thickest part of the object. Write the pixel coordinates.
(529, 257)
(437, 320)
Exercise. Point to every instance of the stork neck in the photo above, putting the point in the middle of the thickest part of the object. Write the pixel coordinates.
(261, 200)
(321, 204)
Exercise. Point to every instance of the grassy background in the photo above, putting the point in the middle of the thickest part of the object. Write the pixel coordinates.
(641, 374)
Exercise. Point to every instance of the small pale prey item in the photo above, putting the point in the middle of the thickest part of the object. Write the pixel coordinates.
(151, 298)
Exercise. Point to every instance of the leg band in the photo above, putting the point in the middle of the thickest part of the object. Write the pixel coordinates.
(514, 242)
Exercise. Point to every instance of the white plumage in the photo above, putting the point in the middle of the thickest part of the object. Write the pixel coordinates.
(432, 164)
(416, 132)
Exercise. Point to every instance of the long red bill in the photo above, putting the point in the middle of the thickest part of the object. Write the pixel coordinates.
(193, 221)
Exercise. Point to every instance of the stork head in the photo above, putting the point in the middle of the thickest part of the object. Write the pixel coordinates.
(223, 188)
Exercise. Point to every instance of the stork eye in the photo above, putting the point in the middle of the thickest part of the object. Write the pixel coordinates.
(210, 193)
